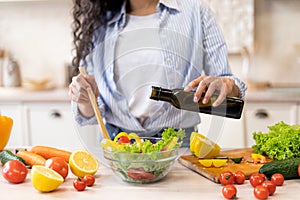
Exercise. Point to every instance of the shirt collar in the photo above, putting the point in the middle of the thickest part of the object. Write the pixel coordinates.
(172, 4)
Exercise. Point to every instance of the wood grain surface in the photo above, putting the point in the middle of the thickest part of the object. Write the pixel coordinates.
(213, 173)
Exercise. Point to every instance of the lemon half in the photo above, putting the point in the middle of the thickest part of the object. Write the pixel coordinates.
(83, 163)
(45, 179)
(203, 147)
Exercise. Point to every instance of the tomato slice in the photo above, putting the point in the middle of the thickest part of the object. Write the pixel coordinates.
(121, 134)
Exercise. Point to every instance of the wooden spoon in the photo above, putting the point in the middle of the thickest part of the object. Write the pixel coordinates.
(95, 107)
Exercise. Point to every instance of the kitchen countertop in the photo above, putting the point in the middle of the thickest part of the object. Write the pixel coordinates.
(19, 94)
(274, 95)
(180, 183)
(61, 95)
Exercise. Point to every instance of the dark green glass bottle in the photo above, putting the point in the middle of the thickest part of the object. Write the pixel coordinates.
(231, 107)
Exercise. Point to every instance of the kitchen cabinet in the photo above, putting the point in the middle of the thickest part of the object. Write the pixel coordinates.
(257, 116)
(42, 123)
(263, 114)
(18, 133)
(51, 124)
(226, 132)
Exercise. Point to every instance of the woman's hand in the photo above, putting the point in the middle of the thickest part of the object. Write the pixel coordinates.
(78, 93)
(210, 85)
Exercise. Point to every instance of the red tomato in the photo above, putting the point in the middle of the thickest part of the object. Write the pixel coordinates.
(229, 191)
(123, 139)
(277, 179)
(270, 185)
(226, 178)
(14, 171)
(79, 184)
(239, 177)
(264, 176)
(89, 179)
(261, 192)
(257, 179)
(299, 169)
(59, 165)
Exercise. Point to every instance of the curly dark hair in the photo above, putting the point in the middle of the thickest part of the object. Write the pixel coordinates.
(88, 16)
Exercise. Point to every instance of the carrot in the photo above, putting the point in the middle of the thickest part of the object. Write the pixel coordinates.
(31, 158)
(49, 152)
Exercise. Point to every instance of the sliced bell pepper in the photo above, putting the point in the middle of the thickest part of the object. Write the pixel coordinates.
(109, 145)
(258, 158)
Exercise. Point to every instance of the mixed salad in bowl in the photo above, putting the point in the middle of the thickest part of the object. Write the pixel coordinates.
(143, 159)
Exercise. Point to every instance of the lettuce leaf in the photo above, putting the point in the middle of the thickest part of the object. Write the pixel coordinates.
(280, 143)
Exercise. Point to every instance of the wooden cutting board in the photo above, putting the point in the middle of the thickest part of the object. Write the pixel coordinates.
(213, 173)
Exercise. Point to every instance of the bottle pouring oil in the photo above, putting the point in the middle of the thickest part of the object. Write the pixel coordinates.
(231, 107)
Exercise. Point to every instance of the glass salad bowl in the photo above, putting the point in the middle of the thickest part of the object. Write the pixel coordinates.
(135, 167)
(140, 160)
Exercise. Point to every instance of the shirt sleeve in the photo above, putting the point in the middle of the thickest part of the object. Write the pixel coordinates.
(215, 60)
(80, 119)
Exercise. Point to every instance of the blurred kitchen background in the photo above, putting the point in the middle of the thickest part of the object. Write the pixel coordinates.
(263, 39)
(38, 35)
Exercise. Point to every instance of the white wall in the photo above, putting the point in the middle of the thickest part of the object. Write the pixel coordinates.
(277, 31)
(39, 35)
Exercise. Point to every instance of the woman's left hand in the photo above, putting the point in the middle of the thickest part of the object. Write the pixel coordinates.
(210, 85)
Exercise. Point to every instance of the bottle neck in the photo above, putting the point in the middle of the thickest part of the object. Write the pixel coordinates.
(161, 94)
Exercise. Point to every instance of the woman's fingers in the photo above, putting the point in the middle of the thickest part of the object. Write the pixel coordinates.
(77, 89)
(194, 83)
(211, 85)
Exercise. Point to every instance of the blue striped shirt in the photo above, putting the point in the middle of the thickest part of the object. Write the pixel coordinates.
(191, 45)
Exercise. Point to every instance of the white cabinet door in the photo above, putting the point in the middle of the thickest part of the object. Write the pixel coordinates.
(52, 124)
(226, 132)
(18, 134)
(261, 115)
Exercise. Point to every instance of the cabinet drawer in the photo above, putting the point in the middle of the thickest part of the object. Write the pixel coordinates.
(51, 124)
(261, 115)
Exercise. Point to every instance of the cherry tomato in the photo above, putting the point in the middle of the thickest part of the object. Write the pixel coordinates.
(264, 176)
(14, 171)
(226, 178)
(270, 185)
(59, 165)
(299, 169)
(89, 179)
(123, 139)
(239, 177)
(229, 191)
(257, 179)
(261, 192)
(277, 179)
(79, 184)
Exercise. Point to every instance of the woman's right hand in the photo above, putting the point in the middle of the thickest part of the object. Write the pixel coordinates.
(78, 93)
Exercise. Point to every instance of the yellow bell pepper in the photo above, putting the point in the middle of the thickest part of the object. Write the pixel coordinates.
(6, 124)
(129, 136)
(258, 158)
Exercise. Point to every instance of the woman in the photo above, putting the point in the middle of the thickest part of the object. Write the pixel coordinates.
(129, 45)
